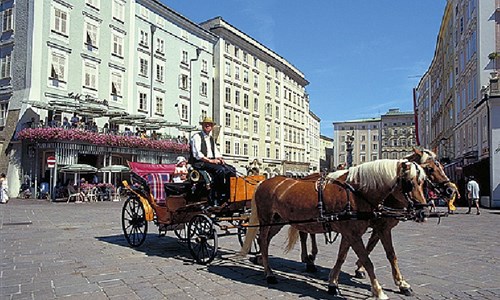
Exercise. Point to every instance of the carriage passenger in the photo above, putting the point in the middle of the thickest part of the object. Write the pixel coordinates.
(181, 171)
(206, 156)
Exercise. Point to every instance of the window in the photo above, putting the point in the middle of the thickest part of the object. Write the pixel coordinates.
(144, 38)
(184, 111)
(7, 20)
(237, 98)
(58, 67)
(183, 81)
(91, 35)
(116, 83)
(268, 129)
(92, 3)
(226, 47)
(159, 105)
(228, 120)
(118, 10)
(228, 95)
(269, 109)
(204, 66)
(245, 76)
(5, 66)
(228, 147)
(245, 124)
(237, 148)
(143, 67)
(277, 91)
(255, 127)
(255, 104)
(159, 73)
(203, 89)
(143, 101)
(90, 76)
(184, 58)
(236, 52)
(255, 61)
(277, 154)
(245, 101)
(236, 72)
(61, 21)
(4, 109)
(228, 69)
(277, 112)
(256, 81)
(268, 152)
(268, 87)
(237, 122)
(160, 45)
(245, 148)
(117, 44)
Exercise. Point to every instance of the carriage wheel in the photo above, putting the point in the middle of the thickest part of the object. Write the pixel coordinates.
(202, 238)
(134, 224)
(242, 232)
(182, 232)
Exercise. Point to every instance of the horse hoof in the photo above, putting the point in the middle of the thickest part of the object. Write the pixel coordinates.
(271, 280)
(359, 274)
(311, 269)
(256, 260)
(407, 291)
(333, 290)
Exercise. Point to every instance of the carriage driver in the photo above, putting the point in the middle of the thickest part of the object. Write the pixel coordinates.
(206, 156)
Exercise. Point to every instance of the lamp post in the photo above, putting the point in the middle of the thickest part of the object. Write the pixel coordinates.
(153, 29)
(348, 141)
(198, 52)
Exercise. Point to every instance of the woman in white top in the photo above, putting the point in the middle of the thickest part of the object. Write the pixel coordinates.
(181, 171)
(4, 189)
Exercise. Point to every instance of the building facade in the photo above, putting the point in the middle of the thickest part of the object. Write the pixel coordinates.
(397, 134)
(260, 102)
(314, 145)
(365, 142)
(452, 100)
(101, 59)
(326, 154)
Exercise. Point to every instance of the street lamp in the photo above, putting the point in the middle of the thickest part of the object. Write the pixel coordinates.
(348, 141)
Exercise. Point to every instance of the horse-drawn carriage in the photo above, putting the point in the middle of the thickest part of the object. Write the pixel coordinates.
(184, 208)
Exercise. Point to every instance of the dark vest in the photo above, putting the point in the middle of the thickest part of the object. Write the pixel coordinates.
(203, 149)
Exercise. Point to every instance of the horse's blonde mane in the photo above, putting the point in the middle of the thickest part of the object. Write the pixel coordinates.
(336, 174)
(374, 175)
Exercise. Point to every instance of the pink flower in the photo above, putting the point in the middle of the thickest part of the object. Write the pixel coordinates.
(78, 135)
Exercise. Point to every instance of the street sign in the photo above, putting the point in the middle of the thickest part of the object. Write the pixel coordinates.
(51, 161)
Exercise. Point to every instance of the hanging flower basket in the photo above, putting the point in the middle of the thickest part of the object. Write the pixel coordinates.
(77, 135)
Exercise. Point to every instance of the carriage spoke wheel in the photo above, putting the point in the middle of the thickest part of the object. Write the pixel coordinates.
(242, 232)
(202, 239)
(134, 224)
(181, 232)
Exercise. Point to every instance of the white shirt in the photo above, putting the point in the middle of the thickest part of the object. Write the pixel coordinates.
(473, 189)
(196, 146)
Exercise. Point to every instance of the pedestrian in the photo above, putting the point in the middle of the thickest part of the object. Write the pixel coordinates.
(455, 194)
(4, 189)
(473, 194)
(431, 195)
(181, 171)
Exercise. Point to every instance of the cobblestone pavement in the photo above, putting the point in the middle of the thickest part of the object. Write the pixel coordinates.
(78, 251)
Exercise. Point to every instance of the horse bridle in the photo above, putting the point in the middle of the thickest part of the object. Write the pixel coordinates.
(439, 187)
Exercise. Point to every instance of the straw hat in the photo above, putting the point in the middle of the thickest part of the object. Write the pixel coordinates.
(207, 120)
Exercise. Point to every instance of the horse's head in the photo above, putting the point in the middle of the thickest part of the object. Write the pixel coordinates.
(411, 182)
(436, 176)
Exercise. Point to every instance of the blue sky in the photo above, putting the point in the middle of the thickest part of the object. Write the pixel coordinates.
(361, 57)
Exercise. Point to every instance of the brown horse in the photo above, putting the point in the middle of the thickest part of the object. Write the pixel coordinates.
(279, 201)
(382, 228)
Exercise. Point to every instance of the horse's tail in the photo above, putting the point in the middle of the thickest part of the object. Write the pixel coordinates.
(293, 236)
(252, 229)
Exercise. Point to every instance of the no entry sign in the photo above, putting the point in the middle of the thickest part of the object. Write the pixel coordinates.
(51, 161)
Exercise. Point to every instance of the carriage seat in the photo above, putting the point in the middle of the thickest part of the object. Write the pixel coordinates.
(156, 182)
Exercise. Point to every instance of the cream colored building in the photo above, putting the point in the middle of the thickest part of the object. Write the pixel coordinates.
(456, 98)
(326, 153)
(314, 150)
(397, 134)
(366, 143)
(260, 102)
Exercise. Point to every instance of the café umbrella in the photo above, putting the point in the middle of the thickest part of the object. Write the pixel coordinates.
(115, 169)
(78, 169)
